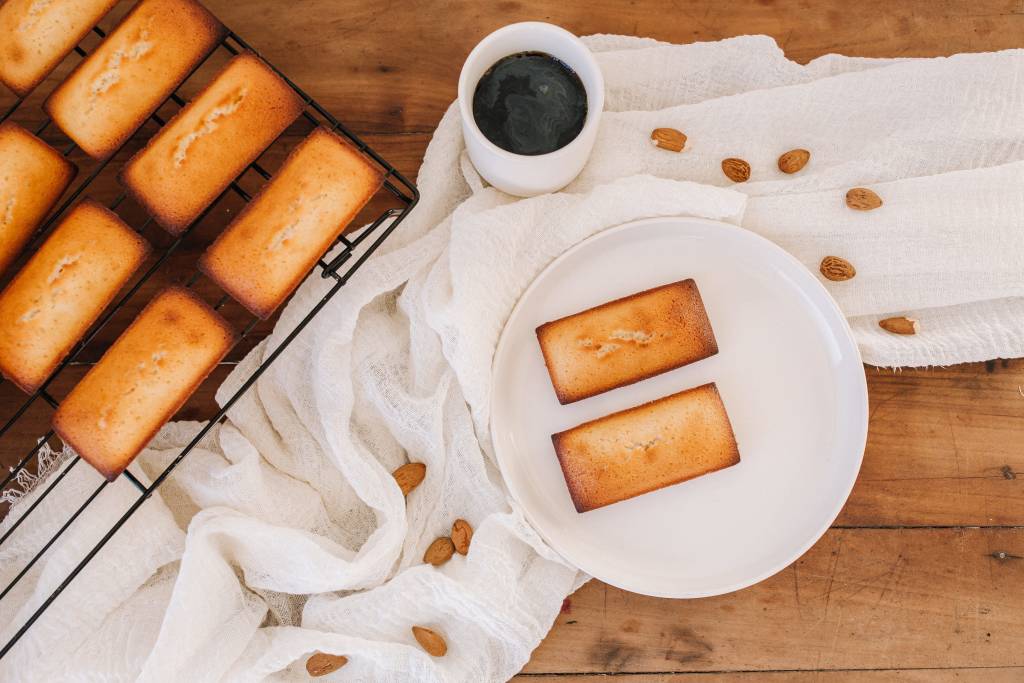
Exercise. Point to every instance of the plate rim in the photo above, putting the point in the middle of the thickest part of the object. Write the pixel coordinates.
(847, 338)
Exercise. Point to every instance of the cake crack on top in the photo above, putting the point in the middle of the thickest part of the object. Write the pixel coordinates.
(308, 215)
(226, 107)
(58, 268)
(9, 211)
(111, 75)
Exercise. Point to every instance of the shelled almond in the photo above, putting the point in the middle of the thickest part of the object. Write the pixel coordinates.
(462, 534)
(736, 170)
(409, 476)
(439, 552)
(668, 138)
(321, 664)
(794, 160)
(430, 641)
(862, 199)
(899, 325)
(837, 269)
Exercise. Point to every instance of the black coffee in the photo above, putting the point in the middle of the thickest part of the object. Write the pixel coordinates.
(530, 103)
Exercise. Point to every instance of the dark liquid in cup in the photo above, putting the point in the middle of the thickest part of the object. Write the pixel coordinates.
(530, 103)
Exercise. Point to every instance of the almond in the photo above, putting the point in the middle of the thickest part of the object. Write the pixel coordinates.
(837, 269)
(668, 138)
(862, 199)
(736, 170)
(899, 325)
(321, 664)
(793, 160)
(439, 552)
(430, 641)
(462, 534)
(409, 476)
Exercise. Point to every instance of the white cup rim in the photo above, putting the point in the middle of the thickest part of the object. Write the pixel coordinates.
(595, 100)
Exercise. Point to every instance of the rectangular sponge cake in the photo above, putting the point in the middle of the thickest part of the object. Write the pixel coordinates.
(61, 291)
(35, 35)
(115, 89)
(33, 176)
(142, 380)
(186, 166)
(264, 254)
(642, 449)
(626, 340)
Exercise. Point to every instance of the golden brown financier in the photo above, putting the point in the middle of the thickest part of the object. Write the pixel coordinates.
(626, 340)
(142, 380)
(123, 81)
(264, 254)
(63, 289)
(33, 176)
(194, 158)
(646, 448)
(35, 35)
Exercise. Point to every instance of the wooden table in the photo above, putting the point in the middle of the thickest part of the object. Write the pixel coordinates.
(923, 573)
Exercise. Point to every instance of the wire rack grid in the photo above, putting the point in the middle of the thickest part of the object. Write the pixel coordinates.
(352, 253)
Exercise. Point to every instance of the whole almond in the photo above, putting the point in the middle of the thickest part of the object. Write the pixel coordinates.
(736, 170)
(837, 269)
(899, 325)
(668, 138)
(439, 552)
(409, 476)
(430, 641)
(321, 663)
(793, 160)
(462, 534)
(862, 199)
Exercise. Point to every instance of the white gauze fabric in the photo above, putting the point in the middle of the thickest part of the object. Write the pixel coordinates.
(284, 533)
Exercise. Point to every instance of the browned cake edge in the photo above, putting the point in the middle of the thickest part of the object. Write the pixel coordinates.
(68, 172)
(171, 222)
(565, 396)
(254, 307)
(23, 90)
(232, 337)
(583, 504)
(30, 384)
(212, 24)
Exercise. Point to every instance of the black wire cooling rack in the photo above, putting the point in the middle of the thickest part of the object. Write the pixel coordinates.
(399, 191)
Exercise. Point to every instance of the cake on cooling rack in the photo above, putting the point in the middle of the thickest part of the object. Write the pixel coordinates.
(33, 176)
(35, 35)
(142, 380)
(626, 340)
(63, 289)
(265, 253)
(115, 89)
(194, 158)
(645, 448)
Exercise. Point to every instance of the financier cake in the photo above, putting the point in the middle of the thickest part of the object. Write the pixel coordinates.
(186, 165)
(33, 176)
(626, 340)
(646, 448)
(116, 88)
(35, 35)
(61, 291)
(142, 380)
(264, 254)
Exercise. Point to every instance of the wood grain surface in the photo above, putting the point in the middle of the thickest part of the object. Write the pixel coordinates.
(922, 577)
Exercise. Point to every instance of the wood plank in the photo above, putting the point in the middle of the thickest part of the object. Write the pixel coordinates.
(860, 599)
(998, 674)
(393, 67)
(943, 448)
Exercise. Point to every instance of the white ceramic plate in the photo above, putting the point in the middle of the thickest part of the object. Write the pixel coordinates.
(787, 369)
